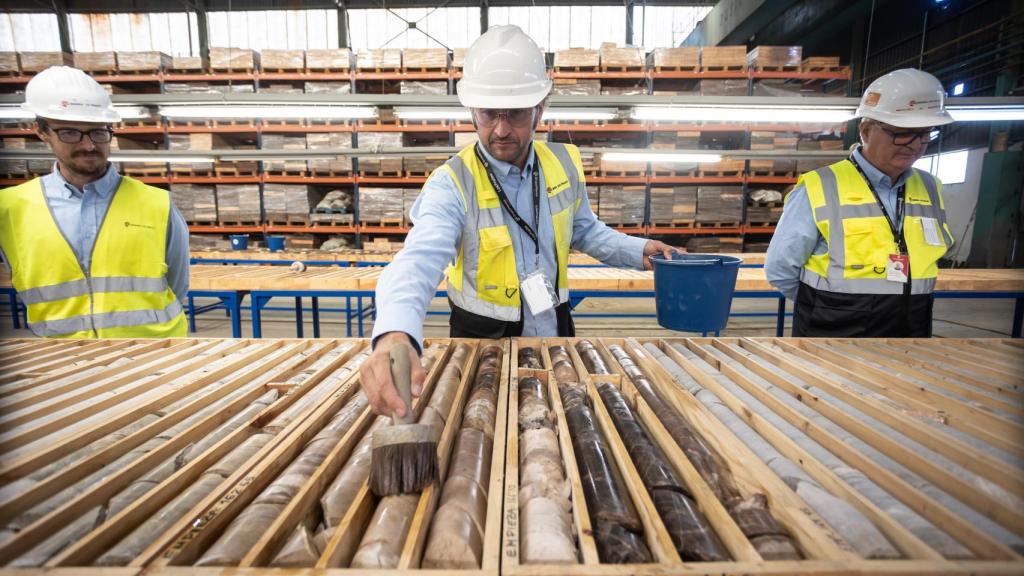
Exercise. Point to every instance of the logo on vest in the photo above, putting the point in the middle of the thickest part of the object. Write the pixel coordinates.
(559, 185)
(128, 224)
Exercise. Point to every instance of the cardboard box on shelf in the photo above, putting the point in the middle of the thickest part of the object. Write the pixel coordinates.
(273, 141)
(238, 203)
(95, 61)
(196, 202)
(622, 205)
(147, 61)
(766, 57)
(233, 59)
(272, 59)
(723, 57)
(189, 63)
(621, 57)
(673, 204)
(329, 140)
(380, 164)
(381, 205)
(331, 87)
(13, 166)
(577, 58)
(379, 59)
(723, 204)
(39, 61)
(425, 59)
(576, 87)
(10, 63)
(328, 59)
(681, 58)
(438, 88)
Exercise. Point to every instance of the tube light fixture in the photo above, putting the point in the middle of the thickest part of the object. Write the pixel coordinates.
(158, 158)
(809, 114)
(15, 113)
(986, 113)
(269, 112)
(432, 113)
(579, 114)
(687, 158)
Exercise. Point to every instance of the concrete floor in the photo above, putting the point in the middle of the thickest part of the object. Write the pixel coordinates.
(954, 318)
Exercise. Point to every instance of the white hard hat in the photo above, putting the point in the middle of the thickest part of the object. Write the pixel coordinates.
(504, 69)
(65, 93)
(908, 98)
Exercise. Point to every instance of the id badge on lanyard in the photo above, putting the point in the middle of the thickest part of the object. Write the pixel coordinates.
(897, 266)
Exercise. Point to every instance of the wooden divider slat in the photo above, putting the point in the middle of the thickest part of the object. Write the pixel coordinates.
(955, 414)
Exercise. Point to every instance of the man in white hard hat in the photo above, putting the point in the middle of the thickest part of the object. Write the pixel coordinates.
(859, 241)
(501, 216)
(92, 254)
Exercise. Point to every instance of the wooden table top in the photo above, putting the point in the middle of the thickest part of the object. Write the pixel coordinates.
(248, 278)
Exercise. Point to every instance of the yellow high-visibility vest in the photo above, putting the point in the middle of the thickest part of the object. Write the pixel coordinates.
(483, 279)
(858, 235)
(124, 294)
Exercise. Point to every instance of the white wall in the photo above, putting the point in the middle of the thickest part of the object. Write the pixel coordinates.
(961, 200)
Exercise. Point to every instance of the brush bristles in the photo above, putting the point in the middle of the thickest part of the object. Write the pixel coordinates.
(403, 468)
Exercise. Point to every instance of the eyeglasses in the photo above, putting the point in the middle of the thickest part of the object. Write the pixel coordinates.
(515, 116)
(909, 138)
(74, 135)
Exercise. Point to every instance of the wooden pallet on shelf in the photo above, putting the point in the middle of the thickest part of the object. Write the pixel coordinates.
(287, 173)
(621, 173)
(129, 169)
(381, 174)
(677, 223)
(331, 220)
(713, 225)
(235, 171)
(321, 173)
(238, 222)
(383, 222)
(190, 170)
(287, 219)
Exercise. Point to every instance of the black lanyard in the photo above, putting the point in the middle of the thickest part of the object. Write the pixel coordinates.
(896, 225)
(507, 204)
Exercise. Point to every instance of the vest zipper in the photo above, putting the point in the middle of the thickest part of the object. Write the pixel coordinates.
(92, 317)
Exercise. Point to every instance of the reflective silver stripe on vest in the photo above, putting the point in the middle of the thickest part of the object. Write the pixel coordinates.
(118, 319)
(66, 290)
(54, 292)
(835, 213)
(865, 285)
(936, 210)
(477, 218)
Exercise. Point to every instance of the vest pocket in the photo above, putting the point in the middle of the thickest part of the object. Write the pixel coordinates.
(923, 256)
(497, 280)
(868, 242)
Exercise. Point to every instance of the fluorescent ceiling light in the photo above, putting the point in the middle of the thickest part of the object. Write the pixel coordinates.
(661, 157)
(269, 112)
(986, 114)
(808, 114)
(432, 113)
(579, 114)
(126, 112)
(158, 158)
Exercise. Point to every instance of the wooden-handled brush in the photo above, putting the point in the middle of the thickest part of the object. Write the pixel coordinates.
(404, 458)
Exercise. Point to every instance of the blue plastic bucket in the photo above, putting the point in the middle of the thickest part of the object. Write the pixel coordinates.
(693, 292)
(275, 243)
(239, 241)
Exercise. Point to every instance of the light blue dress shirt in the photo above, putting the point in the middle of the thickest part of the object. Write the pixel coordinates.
(797, 238)
(410, 281)
(80, 213)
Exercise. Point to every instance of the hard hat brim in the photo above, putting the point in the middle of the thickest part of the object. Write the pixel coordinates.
(923, 120)
(471, 99)
(107, 117)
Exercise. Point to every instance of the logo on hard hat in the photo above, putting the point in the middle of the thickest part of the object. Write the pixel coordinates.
(64, 103)
(872, 98)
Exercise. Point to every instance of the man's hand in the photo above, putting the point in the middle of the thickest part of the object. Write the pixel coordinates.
(375, 374)
(655, 247)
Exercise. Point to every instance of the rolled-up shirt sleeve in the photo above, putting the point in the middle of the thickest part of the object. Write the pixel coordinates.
(609, 246)
(796, 238)
(410, 281)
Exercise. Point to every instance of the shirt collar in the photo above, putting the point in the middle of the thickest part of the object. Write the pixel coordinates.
(505, 168)
(877, 177)
(105, 186)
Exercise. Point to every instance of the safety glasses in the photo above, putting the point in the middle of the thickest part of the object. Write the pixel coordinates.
(517, 117)
(74, 135)
(909, 138)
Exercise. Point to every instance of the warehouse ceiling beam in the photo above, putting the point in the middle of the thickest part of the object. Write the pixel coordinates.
(61, 10)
